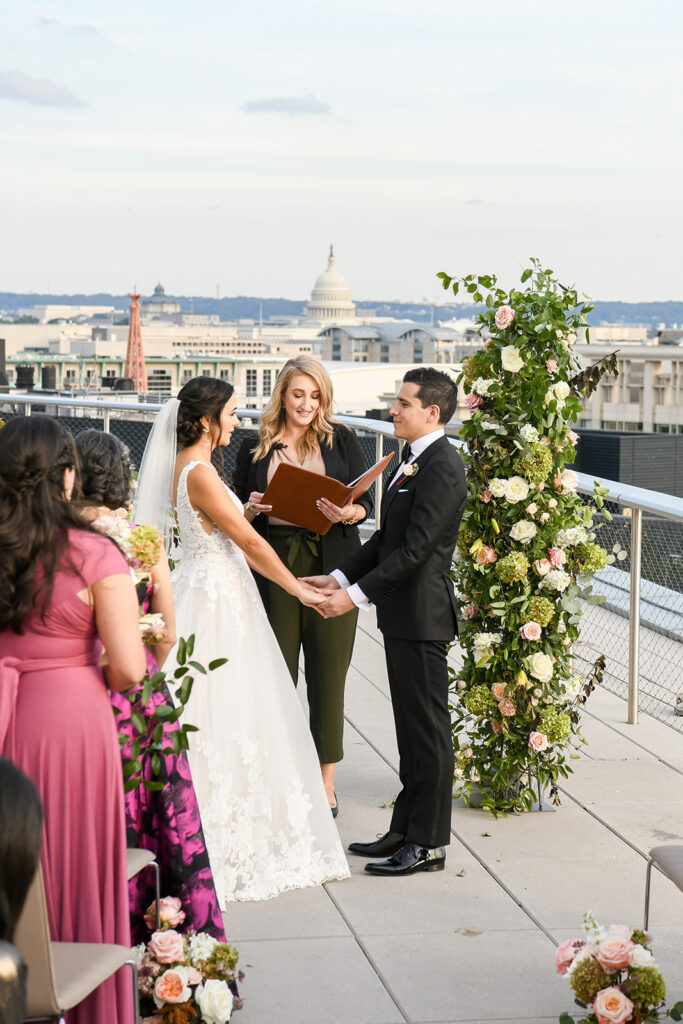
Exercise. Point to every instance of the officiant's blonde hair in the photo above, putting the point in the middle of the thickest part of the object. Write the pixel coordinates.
(273, 420)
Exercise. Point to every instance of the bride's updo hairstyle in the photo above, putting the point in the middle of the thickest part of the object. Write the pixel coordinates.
(201, 396)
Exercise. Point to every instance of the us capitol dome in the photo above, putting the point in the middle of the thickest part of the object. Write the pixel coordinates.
(331, 296)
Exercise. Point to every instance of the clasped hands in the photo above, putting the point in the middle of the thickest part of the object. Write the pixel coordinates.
(336, 600)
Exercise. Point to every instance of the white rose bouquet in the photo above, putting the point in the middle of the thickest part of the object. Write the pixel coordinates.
(526, 544)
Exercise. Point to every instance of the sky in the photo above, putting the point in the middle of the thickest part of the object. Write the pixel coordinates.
(220, 146)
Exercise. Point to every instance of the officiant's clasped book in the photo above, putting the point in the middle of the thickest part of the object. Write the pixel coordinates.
(293, 493)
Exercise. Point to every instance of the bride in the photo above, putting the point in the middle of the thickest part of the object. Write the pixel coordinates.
(266, 817)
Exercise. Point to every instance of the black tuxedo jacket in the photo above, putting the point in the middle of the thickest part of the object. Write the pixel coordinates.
(404, 569)
(343, 460)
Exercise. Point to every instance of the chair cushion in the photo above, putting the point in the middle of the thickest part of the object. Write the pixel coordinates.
(669, 859)
(136, 860)
(81, 966)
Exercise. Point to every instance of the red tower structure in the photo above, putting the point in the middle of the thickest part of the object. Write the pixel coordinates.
(135, 357)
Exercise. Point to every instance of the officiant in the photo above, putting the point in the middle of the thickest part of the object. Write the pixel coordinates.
(297, 427)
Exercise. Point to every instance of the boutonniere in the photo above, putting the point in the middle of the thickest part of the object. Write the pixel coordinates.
(411, 469)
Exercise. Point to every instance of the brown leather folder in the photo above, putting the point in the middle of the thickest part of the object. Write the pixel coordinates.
(293, 493)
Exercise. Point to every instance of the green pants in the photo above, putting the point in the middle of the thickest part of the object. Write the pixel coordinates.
(327, 643)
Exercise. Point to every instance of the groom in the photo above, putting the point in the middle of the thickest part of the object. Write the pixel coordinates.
(404, 570)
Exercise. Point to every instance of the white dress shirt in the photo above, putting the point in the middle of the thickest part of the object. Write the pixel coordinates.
(417, 447)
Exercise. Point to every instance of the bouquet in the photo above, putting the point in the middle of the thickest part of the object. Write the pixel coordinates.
(184, 979)
(614, 976)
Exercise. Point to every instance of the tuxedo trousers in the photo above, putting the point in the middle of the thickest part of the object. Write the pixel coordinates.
(418, 680)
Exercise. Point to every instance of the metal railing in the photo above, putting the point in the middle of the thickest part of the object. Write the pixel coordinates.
(640, 625)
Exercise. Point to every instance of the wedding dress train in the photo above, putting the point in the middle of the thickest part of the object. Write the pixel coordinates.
(266, 818)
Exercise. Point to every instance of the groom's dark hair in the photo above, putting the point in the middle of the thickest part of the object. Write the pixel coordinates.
(435, 388)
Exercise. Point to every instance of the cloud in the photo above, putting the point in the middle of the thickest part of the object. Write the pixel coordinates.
(293, 106)
(41, 92)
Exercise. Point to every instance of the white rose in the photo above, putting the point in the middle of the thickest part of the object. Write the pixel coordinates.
(570, 480)
(540, 667)
(214, 999)
(497, 487)
(545, 516)
(523, 531)
(511, 359)
(481, 386)
(642, 957)
(532, 509)
(516, 489)
(561, 390)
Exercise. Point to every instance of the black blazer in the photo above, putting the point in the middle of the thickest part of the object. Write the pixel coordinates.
(404, 569)
(343, 460)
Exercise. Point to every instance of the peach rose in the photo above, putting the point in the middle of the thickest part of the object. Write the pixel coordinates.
(557, 481)
(557, 557)
(565, 953)
(172, 987)
(530, 630)
(542, 566)
(498, 690)
(538, 741)
(496, 724)
(504, 317)
(485, 495)
(469, 611)
(551, 365)
(171, 913)
(473, 401)
(614, 952)
(507, 707)
(486, 554)
(611, 1006)
(167, 946)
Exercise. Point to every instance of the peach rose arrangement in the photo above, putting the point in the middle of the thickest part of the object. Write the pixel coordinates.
(614, 976)
(185, 978)
(527, 546)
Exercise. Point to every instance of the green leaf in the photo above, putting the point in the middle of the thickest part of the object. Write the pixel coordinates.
(181, 655)
(596, 599)
(163, 711)
(526, 274)
(198, 668)
(139, 722)
(131, 766)
(155, 787)
(676, 1012)
(156, 764)
(217, 663)
(131, 784)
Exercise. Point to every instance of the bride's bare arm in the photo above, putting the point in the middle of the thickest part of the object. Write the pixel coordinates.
(207, 494)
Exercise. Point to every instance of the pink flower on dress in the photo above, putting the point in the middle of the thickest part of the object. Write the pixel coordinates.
(485, 495)
(611, 1006)
(614, 952)
(566, 952)
(486, 554)
(551, 365)
(473, 401)
(507, 707)
(557, 557)
(469, 611)
(538, 741)
(531, 630)
(167, 946)
(504, 317)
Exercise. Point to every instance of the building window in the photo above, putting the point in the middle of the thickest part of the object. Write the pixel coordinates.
(417, 351)
(336, 351)
(187, 375)
(252, 384)
(70, 378)
(634, 395)
(225, 375)
(384, 352)
(267, 382)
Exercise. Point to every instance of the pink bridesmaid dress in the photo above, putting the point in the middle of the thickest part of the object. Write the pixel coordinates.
(56, 723)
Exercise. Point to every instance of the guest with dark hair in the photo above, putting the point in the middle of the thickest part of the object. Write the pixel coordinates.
(21, 820)
(67, 593)
(165, 821)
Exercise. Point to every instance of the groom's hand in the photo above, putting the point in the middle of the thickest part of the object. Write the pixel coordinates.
(325, 584)
(338, 603)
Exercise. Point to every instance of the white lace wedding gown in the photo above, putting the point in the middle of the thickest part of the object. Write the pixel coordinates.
(266, 818)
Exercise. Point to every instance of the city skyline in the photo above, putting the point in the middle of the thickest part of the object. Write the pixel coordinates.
(226, 146)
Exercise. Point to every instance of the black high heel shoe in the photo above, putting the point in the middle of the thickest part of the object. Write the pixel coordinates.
(335, 809)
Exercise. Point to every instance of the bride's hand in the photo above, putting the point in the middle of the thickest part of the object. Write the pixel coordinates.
(308, 595)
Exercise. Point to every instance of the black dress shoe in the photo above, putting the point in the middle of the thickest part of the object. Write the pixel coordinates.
(383, 846)
(335, 809)
(410, 859)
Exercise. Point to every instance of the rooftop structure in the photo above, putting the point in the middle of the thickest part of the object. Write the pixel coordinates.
(331, 296)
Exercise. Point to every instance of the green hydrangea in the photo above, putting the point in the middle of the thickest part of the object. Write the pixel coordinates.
(640, 937)
(587, 978)
(466, 538)
(554, 723)
(512, 567)
(535, 463)
(541, 610)
(479, 699)
(590, 557)
(647, 988)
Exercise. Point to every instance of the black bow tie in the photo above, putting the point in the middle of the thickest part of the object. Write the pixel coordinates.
(405, 454)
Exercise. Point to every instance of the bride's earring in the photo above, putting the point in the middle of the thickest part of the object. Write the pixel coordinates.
(205, 440)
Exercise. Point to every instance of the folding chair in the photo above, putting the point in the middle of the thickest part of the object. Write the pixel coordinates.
(669, 860)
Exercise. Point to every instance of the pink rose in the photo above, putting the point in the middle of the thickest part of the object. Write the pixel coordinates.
(469, 611)
(557, 557)
(538, 741)
(573, 437)
(496, 724)
(530, 630)
(473, 401)
(171, 913)
(172, 987)
(507, 707)
(611, 1006)
(498, 690)
(193, 976)
(557, 481)
(486, 554)
(564, 954)
(542, 566)
(540, 486)
(504, 317)
(614, 952)
(485, 495)
(551, 365)
(167, 946)
(487, 344)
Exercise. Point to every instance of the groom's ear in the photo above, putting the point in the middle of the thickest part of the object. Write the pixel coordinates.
(434, 413)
